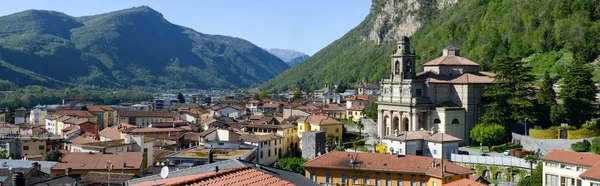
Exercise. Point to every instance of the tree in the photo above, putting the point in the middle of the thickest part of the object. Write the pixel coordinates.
(532, 158)
(4, 154)
(341, 88)
(536, 175)
(546, 99)
(330, 142)
(360, 126)
(558, 114)
(10, 114)
(370, 109)
(509, 97)
(180, 98)
(578, 93)
(53, 155)
(291, 164)
(297, 94)
(489, 133)
(263, 94)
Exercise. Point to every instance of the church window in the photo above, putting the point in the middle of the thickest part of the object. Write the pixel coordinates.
(419, 92)
(436, 121)
(455, 121)
(397, 68)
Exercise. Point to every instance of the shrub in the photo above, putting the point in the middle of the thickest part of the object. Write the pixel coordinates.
(582, 146)
(339, 148)
(595, 146)
(513, 151)
(568, 127)
(593, 124)
(544, 134)
(522, 153)
(381, 148)
(504, 147)
(362, 148)
(581, 133)
(351, 144)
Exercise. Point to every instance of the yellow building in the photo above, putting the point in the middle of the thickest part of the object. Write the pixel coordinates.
(356, 113)
(320, 123)
(352, 168)
(141, 118)
(289, 141)
(106, 115)
(33, 148)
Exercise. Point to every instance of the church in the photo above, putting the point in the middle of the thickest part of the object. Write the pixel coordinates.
(445, 97)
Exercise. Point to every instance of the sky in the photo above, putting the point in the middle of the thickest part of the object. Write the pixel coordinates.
(303, 25)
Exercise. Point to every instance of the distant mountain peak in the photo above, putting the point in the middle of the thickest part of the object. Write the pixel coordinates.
(289, 56)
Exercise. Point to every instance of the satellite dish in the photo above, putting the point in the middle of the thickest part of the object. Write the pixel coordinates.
(164, 172)
(10, 168)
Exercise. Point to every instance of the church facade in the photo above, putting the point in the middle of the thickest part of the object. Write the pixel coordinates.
(445, 97)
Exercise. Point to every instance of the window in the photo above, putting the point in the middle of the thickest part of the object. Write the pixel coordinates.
(327, 178)
(25, 147)
(434, 152)
(324, 129)
(399, 183)
(434, 183)
(367, 180)
(275, 142)
(552, 180)
(354, 179)
(269, 153)
(400, 150)
(41, 147)
(413, 183)
(436, 121)
(313, 176)
(377, 181)
(594, 184)
(261, 154)
(344, 179)
(419, 92)
(455, 121)
(337, 130)
(423, 183)
(388, 182)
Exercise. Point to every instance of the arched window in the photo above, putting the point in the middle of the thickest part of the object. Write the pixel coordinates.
(455, 121)
(436, 121)
(397, 68)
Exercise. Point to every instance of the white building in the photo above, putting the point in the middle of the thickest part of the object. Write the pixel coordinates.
(446, 95)
(331, 97)
(129, 144)
(269, 146)
(38, 115)
(229, 111)
(566, 168)
(422, 143)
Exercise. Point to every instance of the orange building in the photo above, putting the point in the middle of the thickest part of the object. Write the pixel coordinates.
(352, 168)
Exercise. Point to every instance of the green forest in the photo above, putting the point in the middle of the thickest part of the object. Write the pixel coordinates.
(546, 34)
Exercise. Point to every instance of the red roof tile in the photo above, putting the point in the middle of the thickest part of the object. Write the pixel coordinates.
(97, 161)
(236, 176)
(141, 113)
(386, 162)
(572, 157)
(469, 77)
(464, 182)
(451, 60)
(78, 113)
(319, 120)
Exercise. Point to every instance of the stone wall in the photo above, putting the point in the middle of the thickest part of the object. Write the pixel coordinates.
(313, 143)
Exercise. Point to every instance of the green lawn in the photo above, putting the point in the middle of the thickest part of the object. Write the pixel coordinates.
(494, 182)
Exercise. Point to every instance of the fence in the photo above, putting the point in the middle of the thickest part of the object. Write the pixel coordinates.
(22, 136)
(490, 160)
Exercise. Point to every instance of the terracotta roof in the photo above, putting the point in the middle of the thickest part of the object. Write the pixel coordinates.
(78, 113)
(259, 138)
(99, 108)
(359, 107)
(103, 178)
(464, 182)
(97, 161)
(334, 107)
(572, 157)
(141, 113)
(235, 176)
(271, 126)
(81, 140)
(358, 97)
(386, 162)
(466, 78)
(207, 132)
(256, 117)
(114, 132)
(451, 60)
(239, 107)
(149, 129)
(254, 101)
(274, 105)
(422, 135)
(77, 121)
(319, 120)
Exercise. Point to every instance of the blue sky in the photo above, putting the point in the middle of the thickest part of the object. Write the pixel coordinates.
(303, 25)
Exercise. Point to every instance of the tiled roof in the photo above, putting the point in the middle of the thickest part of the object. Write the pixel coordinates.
(422, 135)
(76, 121)
(97, 161)
(141, 113)
(386, 162)
(236, 176)
(207, 132)
(318, 120)
(114, 132)
(80, 140)
(464, 182)
(256, 117)
(99, 108)
(359, 107)
(451, 60)
(259, 138)
(358, 97)
(104, 178)
(572, 157)
(274, 105)
(149, 129)
(334, 107)
(466, 78)
(78, 113)
(223, 165)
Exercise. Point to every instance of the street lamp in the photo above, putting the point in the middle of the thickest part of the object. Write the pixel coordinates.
(526, 127)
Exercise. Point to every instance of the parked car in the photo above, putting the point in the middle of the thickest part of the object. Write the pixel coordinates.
(506, 152)
(484, 154)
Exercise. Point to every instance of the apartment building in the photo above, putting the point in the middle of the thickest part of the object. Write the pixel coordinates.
(566, 168)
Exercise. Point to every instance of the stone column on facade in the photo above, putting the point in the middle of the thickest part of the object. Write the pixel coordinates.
(379, 122)
(414, 120)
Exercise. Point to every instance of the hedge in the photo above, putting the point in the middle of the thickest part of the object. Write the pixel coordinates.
(581, 133)
(350, 144)
(543, 134)
(504, 147)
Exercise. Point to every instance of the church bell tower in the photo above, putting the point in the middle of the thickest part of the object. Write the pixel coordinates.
(403, 61)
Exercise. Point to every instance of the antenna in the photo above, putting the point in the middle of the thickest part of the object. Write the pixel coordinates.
(164, 172)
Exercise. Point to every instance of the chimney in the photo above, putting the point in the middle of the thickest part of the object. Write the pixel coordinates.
(443, 168)
(68, 171)
(216, 168)
(210, 156)
(433, 163)
(18, 179)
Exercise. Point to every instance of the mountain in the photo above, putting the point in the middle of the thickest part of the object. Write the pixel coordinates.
(291, 57)
(548, 34)
(134, 48)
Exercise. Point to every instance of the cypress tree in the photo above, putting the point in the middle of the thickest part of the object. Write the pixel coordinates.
(546, 99)
(578, 93)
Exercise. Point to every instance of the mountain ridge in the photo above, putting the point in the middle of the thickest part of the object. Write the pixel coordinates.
(131, 48)
(289, 56)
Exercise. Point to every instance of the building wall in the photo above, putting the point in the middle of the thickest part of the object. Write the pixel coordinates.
(293, 112)
(146, 121)
(2, 117)
(549, 169)
(335, 130)
(33, 147)
(59, 127)
(51, 125)
(268, 151)
(405, 178)
(37, 116)
(82, 173)
(312, 144)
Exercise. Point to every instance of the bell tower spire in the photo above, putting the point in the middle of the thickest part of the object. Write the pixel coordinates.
(403, 61)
